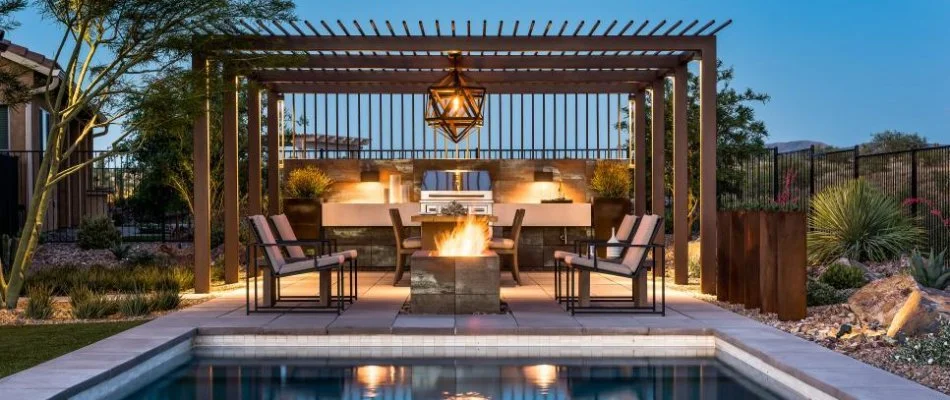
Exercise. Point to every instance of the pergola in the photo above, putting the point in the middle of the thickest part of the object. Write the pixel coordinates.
(632, 58)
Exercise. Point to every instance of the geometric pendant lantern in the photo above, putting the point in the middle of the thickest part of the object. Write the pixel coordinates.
(454, 104)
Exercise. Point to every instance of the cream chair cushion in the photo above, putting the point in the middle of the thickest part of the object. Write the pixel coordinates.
(501, 243)
(412, 243)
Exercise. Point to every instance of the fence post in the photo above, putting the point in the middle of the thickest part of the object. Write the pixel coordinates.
(857, 161)
(775, 173)
(913, 181)
(811, 171)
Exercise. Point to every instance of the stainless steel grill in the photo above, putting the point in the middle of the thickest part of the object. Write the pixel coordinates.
(472, 189)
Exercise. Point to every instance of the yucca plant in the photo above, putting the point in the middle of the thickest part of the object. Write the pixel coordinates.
(307, 183)
(611, 180)
(931, 272)
(857, 221)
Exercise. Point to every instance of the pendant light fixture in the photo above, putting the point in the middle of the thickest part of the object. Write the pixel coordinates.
(454, 105)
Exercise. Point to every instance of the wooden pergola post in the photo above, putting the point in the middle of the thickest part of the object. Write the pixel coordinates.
(639, 153)
(707, 168)
(658, 144)
(202, 189)
(254, 149)
(273, 153)
(229, 132)
(680, 177)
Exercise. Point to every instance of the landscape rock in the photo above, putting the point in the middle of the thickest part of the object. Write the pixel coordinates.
(901, 305)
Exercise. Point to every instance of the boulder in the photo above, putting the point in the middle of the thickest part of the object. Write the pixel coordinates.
(901, 305)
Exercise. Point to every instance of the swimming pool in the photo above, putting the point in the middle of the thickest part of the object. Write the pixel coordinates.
(453, 378)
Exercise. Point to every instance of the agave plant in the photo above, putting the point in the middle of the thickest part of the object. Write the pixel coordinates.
(931, 272)
(857, 221)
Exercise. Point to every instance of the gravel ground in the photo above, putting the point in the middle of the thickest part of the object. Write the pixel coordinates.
(870, 346)
(52, 254)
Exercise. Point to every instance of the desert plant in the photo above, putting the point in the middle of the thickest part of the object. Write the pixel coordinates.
(89, 305)
(40, 302)
(307, 183)
(120, 251)
(821, 294)
(143, 257)
(933, 348)
(134, 304)
(857, 221)
(930, 272)
(97, 233)
(695, 267)
(841, 276)
(610, 180)
(164, 300)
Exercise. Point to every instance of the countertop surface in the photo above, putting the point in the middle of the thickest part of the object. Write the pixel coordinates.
(536, 214)
(448, 218)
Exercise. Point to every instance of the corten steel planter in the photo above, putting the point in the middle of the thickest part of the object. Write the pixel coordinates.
(750, 276)
(768, 261)
(454, 285)
(737, 256)
(607, 213)
(792, 258)
(305, 216)
(723, 251)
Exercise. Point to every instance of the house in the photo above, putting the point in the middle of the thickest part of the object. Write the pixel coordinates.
(23, 133)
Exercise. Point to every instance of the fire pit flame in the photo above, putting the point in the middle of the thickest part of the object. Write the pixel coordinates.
(468, 239)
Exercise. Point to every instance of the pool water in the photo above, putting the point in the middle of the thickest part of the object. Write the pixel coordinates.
(454, 379)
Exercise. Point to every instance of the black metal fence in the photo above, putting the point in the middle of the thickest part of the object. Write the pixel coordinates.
(919, 178)
(107, 187)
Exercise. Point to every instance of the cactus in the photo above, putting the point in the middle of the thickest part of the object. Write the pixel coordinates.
(930, 272)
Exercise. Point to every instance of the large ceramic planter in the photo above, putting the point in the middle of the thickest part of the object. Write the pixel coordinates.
(607, 213)
(305, 216)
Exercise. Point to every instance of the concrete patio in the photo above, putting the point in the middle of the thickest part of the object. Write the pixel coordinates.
(533, 313)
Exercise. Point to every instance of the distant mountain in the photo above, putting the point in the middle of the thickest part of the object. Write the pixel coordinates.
(795, 145)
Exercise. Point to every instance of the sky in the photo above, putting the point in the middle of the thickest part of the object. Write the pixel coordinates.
(837, 71)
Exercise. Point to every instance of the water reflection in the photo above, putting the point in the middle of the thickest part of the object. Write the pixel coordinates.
(470, 379)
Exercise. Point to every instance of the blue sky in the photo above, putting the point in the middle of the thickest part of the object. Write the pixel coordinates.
(837, 70)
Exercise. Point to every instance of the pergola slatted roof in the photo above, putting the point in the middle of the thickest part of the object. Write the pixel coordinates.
(355, 57)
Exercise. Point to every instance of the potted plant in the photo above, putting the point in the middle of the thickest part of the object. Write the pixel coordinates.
(611, 187)
(304, 191)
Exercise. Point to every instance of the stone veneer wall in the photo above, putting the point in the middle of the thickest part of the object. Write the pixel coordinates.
(513, 180)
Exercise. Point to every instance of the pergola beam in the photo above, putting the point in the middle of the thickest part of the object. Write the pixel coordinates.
(480, 77)
(460, 43)
(479, 61)
(420, 88)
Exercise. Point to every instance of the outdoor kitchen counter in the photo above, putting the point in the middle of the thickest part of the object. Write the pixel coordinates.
(366, 215)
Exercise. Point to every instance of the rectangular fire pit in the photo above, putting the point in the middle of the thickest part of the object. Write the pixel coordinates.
(454, 285)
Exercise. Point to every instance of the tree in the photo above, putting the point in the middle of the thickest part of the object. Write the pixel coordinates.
(109, 50)
(740, 136)
(13, 90)
(892, 140)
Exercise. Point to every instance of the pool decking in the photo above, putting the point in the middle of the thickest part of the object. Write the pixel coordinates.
(532, 312)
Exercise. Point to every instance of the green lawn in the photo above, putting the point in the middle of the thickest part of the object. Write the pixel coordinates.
(22, 347)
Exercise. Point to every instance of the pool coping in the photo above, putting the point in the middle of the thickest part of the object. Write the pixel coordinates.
(266, 338)
(376, 314)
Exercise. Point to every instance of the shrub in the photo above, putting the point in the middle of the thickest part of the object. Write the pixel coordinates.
(930, 272)
(97, 233)
(120, 251)
(841, 276)
(821, 294)
(184, 276)
(307, 183)
(611, 180)
(166, 300)
(89, 305)
(40, 303)
(695, 268)
(860, 223)
(929, 349)
(134, 305)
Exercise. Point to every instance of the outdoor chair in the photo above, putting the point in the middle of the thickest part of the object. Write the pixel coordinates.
(405, 246)
(509, 246)
(279, 266)
(296, 253)
(633, 263)
(628, 226)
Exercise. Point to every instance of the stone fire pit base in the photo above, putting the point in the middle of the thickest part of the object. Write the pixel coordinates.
(454, 285)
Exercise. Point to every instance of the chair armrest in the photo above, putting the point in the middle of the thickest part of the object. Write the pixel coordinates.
(627, 245)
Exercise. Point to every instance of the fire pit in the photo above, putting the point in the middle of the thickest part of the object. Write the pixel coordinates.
(460, 277)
